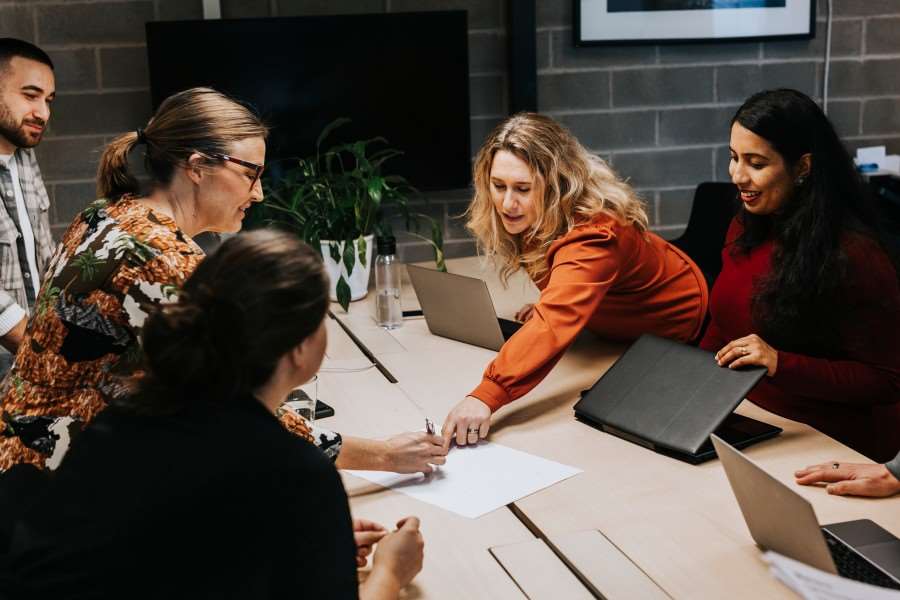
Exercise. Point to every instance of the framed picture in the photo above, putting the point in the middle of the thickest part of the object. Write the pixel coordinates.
(599, 22)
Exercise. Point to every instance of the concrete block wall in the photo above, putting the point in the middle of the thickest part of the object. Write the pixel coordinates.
(98, 48)
(658, 113)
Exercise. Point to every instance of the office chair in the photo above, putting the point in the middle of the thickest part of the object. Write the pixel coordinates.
(715, 204)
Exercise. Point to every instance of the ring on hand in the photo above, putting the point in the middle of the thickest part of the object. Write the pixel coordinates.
(472, 430)
(835, 465)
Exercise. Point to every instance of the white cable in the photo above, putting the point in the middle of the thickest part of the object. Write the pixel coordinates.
(348, 370)
(827, 58)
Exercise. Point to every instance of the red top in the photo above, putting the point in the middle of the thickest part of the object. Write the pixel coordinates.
(853, 397)
(613, 279)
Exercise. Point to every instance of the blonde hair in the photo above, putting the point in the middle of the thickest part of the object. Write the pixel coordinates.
(574, 186)
(198, 119)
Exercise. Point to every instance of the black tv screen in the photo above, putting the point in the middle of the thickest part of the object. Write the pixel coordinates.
(401, 76)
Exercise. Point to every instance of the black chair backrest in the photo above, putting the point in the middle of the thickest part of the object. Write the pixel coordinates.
(715, 204)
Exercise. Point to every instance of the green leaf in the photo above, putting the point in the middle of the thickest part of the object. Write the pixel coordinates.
(437, 237)
(376, 184)
(361, 249)
(329, 128)
(381, 156)
(343, 293)
(338, 193)
(349, 257)
(335, 252)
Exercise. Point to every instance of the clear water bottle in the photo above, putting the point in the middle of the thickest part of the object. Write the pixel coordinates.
(387, 285)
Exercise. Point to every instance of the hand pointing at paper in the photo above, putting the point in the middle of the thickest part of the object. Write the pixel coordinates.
(468, 422)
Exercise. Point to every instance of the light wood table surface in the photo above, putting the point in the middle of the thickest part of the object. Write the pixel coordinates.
(458, 563)
(676, 523)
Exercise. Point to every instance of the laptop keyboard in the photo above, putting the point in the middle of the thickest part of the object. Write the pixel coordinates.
(507, 327)
(852, 566)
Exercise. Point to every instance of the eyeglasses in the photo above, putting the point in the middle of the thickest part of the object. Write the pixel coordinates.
(257, 169)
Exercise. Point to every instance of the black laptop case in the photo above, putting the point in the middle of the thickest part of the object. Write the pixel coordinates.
(670, 397)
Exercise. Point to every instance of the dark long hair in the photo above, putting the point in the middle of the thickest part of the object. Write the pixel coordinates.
(797, 306)
(256, 297)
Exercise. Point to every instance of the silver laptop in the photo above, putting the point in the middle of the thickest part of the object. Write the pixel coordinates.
(459, 308)
(782, 520)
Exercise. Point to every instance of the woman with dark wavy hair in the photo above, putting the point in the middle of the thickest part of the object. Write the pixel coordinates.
(807, 288)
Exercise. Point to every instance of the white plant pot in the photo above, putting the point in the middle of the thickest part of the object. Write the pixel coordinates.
(359, 278)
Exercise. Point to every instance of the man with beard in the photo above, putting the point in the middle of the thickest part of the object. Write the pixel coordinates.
(27, 87)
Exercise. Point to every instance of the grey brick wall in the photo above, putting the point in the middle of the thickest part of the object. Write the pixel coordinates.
(98, 47)
(659, 114)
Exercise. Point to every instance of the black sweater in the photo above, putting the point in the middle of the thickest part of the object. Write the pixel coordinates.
(214, 502)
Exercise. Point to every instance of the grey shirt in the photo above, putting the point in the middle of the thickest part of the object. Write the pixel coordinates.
(894, 466)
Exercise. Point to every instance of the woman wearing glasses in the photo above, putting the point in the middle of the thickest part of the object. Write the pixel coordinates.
(127, 253)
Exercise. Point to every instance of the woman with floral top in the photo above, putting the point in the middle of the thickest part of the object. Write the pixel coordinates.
(127, 253)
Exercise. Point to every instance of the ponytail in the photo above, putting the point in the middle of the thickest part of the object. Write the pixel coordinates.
(198, 120)
(114, 180)
(194, 349)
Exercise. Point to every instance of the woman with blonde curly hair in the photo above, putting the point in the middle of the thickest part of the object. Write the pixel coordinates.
(543, 203)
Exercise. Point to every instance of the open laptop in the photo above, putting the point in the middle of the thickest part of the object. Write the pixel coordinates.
(459, 308)
(780, 519)
(669, 397)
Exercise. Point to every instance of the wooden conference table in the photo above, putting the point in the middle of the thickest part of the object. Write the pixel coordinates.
(633, 524)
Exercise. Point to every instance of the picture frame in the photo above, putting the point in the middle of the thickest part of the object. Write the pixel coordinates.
(622, 22)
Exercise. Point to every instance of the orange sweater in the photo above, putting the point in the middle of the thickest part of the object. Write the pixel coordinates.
(610, 278)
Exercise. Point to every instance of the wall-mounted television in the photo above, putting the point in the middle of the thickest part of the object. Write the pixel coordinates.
(403, 76)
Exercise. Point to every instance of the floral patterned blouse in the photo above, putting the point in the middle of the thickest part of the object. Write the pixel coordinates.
(116, 262)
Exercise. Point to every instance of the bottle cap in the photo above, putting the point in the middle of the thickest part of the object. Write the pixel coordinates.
(387, 245)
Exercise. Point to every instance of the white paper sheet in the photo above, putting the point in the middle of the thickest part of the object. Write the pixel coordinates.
(476, 480)
(813, 584)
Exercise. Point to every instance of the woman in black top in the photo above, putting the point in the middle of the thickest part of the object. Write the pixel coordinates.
(193, 488)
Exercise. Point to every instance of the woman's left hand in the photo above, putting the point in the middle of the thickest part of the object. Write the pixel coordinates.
(366, 534)
(849, 479)
(747, 351)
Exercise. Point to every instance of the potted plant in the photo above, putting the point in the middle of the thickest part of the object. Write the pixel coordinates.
(335, 200)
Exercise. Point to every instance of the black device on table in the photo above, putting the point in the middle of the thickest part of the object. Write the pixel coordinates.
(669, 397)
(322, 410)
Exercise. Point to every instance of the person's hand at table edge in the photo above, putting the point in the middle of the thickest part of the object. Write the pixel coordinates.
(468, 422)
(366, 534)
(850, 479)
(398, 558)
